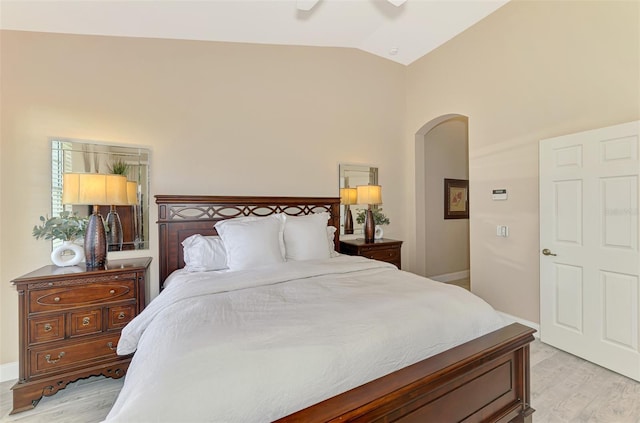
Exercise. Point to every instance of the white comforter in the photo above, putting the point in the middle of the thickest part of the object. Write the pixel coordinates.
(256, 345)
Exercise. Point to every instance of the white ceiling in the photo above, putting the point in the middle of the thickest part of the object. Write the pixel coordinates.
(375, 26)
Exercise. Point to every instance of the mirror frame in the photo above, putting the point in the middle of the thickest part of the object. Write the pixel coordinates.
(96, 156)
(351, 175)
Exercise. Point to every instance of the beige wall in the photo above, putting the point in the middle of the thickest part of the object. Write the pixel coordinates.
(219, 118)
(531, 70)
(446, 156)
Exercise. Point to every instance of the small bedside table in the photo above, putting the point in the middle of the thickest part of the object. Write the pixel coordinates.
(70, 320)
(381, 249)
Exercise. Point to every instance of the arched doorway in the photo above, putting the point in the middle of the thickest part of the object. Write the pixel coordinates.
(442, 151)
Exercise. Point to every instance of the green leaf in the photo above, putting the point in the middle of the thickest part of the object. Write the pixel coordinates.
(378, 217)
(67, 227)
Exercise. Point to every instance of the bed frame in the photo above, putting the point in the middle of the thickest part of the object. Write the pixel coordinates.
(483, 380)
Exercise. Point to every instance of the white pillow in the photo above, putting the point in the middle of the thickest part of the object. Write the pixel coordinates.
(305, 237)
(331, 233)
(253, 241)
(204, 253)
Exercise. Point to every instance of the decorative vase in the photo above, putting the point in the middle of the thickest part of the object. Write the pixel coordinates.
(114, 236)
(348, 220)
(95, 242)
(369, 227)
(61, 259)
(379, 232)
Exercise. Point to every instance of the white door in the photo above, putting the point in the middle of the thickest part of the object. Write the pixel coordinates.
(589, 258)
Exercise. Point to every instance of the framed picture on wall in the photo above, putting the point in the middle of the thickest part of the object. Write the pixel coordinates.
(456, 199)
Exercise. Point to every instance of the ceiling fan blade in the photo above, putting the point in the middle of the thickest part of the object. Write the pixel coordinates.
(397, 3)
(306, 5)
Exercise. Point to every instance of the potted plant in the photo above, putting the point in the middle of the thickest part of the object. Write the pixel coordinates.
(67, 227)
(118, 167)
(378, 218)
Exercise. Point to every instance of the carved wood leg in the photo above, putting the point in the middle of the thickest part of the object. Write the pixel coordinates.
(26, 395)
(526, 416)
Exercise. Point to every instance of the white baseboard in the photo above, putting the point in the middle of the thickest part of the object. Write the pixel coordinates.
(514, 319)
(448, 277)
(8, 371)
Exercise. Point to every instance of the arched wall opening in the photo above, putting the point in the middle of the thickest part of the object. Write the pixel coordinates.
(442, 151)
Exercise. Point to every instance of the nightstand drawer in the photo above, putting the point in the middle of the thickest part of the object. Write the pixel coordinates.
(47, 328)
(85, 322)
(388, 255)
(119, 316)
(78, 296)
(388, 250)
(47, 360)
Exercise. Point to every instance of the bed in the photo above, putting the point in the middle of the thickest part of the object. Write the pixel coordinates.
(374, 370)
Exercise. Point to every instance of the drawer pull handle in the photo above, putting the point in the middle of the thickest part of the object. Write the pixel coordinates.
(121, 315)
(47, 327)
(56, 299)
(86, 321)
(111, 347)
(113, 291)
(54, 361)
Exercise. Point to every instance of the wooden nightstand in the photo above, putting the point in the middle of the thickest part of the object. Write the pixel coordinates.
(381, 249)
(70, 321)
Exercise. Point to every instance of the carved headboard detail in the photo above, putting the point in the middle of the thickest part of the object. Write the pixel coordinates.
(180, 216)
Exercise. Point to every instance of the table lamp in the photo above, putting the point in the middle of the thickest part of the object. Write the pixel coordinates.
(94, 189)
(348, 196)
(369, 195)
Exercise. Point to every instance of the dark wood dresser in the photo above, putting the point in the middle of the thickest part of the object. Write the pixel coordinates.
(384, 249)
(70, 321)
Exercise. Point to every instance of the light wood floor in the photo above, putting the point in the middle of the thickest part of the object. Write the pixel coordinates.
(564, 389)
(464, 283)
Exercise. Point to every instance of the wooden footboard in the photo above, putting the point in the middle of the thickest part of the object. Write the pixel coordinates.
(483, 380)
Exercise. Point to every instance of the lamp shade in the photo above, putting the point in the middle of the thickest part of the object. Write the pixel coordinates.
(132, 193)
(348, 196)
(94, 188)
(369, 194)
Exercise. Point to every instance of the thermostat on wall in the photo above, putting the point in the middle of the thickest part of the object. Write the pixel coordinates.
(499, 194)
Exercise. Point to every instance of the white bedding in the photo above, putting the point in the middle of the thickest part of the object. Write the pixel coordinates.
(256, 345)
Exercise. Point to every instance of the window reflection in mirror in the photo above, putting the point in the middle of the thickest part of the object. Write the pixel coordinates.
(94, 157)
(350, 177)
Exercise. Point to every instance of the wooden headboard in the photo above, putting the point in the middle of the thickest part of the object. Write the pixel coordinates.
(180, 216)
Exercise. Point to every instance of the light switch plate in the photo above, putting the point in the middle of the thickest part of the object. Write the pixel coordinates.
(502, 231)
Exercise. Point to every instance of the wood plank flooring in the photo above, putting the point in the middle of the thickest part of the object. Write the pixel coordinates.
(564, 389)
(463, 283)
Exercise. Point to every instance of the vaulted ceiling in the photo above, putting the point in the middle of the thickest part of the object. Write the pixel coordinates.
(400, 33)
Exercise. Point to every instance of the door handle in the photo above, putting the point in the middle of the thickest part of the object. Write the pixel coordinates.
(547, 252)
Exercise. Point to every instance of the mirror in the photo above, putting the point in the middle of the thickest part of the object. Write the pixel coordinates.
(350, 177)
(92, 157)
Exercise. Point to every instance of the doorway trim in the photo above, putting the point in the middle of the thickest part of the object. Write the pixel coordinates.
(420, 193)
